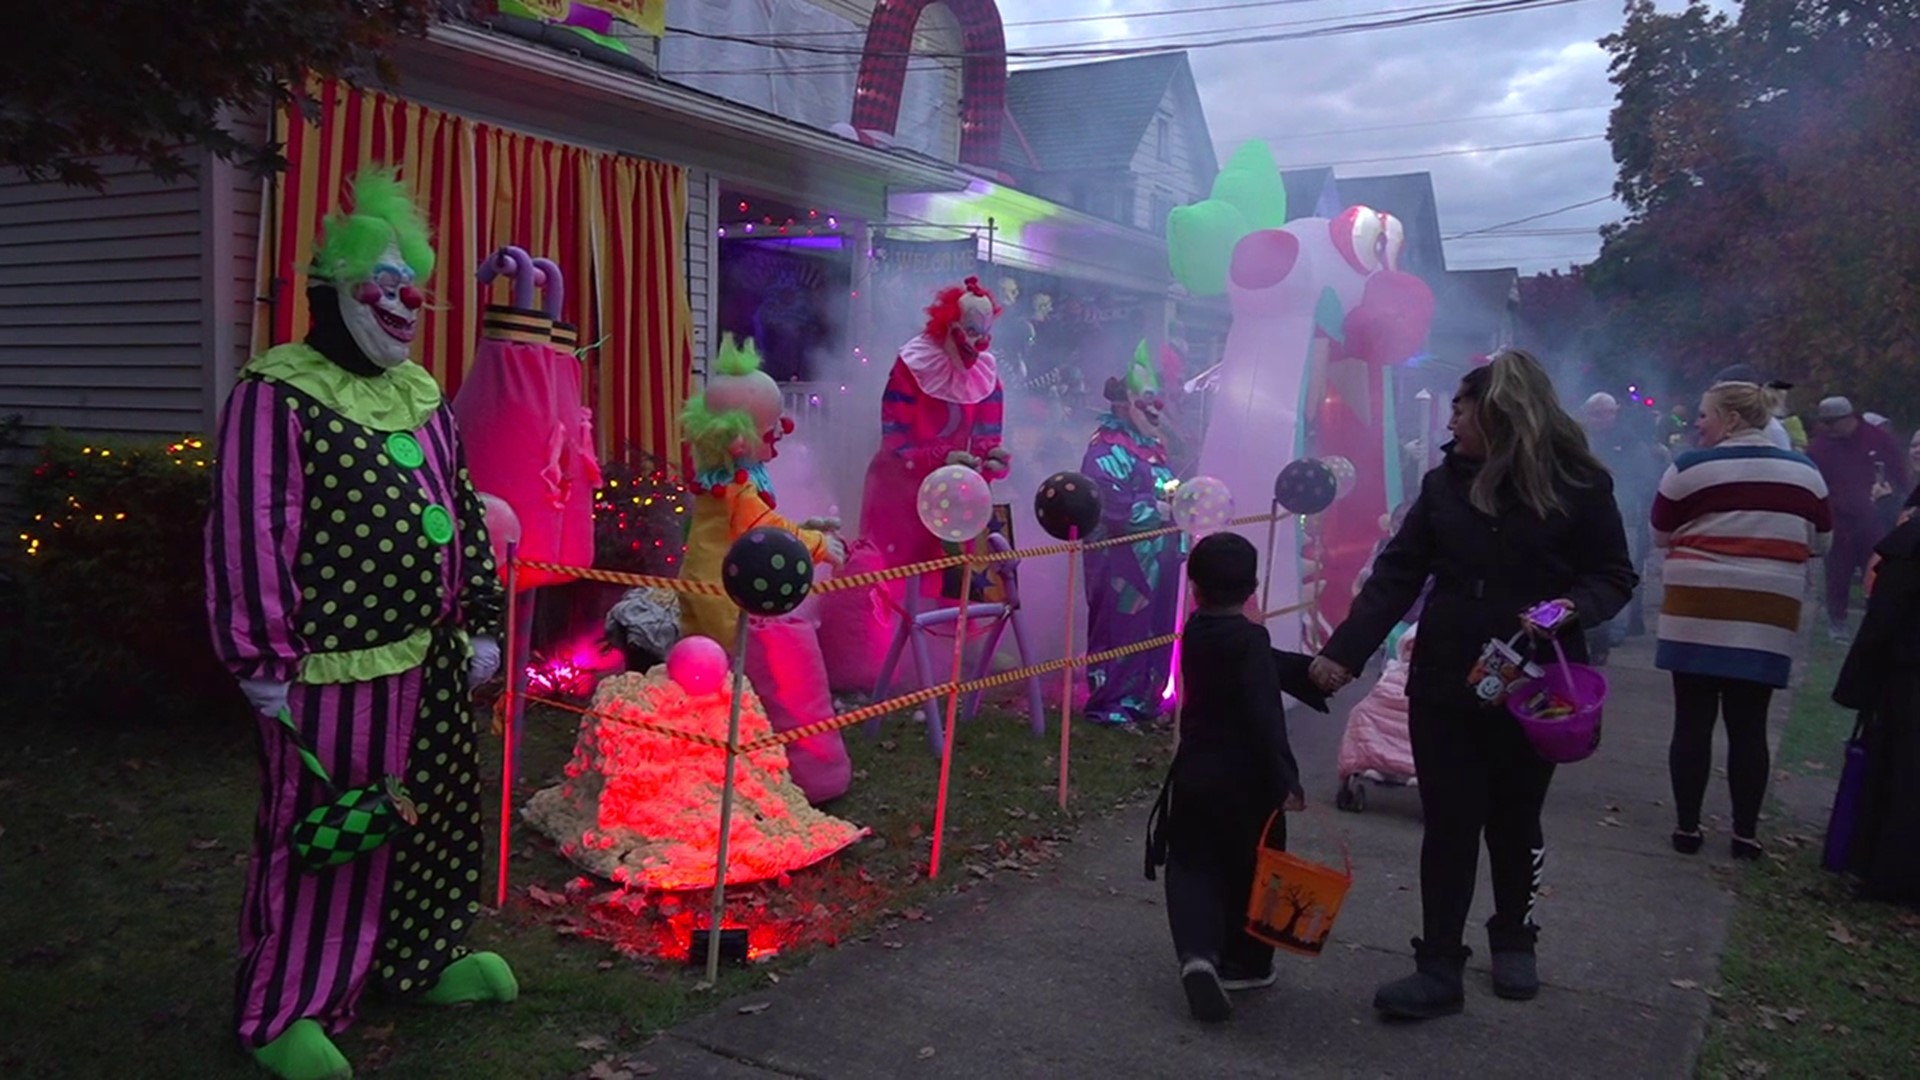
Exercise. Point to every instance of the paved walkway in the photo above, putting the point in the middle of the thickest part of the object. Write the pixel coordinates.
(1072, 975)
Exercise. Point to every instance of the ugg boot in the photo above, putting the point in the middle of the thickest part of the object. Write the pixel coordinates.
(1515, 976)
(1434, 989)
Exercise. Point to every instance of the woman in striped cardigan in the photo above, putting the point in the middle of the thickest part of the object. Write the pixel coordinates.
(1739, 518)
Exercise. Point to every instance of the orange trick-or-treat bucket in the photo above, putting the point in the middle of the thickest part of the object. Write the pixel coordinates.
(1295, 902)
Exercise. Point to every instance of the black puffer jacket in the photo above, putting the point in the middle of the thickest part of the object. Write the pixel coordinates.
(1486, 571)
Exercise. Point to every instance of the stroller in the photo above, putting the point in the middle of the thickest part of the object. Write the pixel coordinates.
(1376, 745)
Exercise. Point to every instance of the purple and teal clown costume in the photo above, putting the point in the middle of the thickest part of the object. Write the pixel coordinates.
(1132, 589)
(352, 591)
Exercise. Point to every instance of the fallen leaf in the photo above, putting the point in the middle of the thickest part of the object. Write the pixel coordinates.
(926, 1052)
(546, 897)
(1841, 935)
(1611, 822)
(641, 1068)
(377, 1034)
(607, 1070)
(914, 914)
(893, 944)
(756, 1007)
(605, 965)
(593, 1043)
(205, 845)
(1685, 984)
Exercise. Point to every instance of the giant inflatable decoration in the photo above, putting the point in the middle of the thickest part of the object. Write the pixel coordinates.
(1246, 196)
(1321, 312)
(983, 76)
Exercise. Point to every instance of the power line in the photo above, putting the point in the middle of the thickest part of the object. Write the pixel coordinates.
(1331, 133)
(1469, 11)
(1109, 16)
(1530, 217)
(1527, 234)
(1454, 153)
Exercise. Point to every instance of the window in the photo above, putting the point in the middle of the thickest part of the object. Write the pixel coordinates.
(1163, 139)
(1162, 206)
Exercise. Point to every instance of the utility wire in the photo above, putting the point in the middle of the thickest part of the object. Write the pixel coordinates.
(1530, 217)
(1452, 153)
(1469, 11)
(1111, 16)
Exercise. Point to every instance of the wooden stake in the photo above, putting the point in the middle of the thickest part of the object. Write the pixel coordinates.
(1266, 587)
(953, 707)
(718, 918)
(508, 745)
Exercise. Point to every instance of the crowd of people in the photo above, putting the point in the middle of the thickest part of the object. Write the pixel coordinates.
(1530, 507)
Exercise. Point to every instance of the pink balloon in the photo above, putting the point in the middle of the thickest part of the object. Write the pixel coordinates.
(698, 665)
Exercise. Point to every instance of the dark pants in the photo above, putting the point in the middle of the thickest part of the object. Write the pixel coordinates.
(1212, 839)
(1846, 561)
(1478, 776)
(1698, 701)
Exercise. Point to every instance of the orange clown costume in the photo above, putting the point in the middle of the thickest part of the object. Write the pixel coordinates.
(733, 429)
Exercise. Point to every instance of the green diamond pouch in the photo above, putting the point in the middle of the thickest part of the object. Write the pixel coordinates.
(351, 824)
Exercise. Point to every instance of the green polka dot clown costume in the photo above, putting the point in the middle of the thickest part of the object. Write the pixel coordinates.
(352, 592)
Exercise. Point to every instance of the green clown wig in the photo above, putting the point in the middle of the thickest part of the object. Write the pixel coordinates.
(721, 420)
(352, 241)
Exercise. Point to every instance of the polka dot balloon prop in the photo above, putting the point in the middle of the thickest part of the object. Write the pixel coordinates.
(767, 572)
(503, 527)
(1202, 505)
(698, 665)
(955, 503)
(1065, 502)
(1344, 475)
(1305, 487)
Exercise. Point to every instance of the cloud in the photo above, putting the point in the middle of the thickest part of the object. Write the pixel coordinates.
(1491, 81)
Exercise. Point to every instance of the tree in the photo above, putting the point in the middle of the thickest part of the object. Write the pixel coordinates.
(1766, 161)
(150, 79)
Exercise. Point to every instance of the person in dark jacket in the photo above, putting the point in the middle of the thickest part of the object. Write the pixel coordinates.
(1519, 512)
(1234, 768)
(1881, 680)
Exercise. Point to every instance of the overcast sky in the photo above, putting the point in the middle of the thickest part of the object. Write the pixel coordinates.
(1448, 86)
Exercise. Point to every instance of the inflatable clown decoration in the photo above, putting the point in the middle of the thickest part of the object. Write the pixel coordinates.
(1132, 592)
(733, 429)
(943, 405)
(352, 592)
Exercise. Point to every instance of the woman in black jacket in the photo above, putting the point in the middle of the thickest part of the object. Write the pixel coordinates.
(1520, 512)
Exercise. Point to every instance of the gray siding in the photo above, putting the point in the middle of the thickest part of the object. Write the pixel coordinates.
(1164, 173)
(101, 308)
(702, 194)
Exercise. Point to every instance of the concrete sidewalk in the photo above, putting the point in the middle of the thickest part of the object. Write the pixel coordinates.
(1073, 975)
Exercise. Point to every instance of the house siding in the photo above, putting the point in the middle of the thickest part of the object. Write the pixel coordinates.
(702, 195)
(1160, 185)
(102, 305)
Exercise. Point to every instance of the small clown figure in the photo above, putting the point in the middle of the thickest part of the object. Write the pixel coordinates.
(352, 592)
(1132, 590)
(943, 405)
(733, 430)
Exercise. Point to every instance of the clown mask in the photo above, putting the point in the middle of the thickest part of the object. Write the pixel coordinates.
(970, 336)
(382, 312)
(1146, 412)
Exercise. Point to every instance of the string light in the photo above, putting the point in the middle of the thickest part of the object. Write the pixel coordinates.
(638, 518)
(187, 452)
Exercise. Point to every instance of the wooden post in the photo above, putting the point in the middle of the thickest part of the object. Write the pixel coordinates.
(1266, 587)
(717, 919)
(953, 710)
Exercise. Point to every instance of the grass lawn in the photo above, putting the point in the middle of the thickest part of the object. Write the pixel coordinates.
(1813, 982)
(122, 854)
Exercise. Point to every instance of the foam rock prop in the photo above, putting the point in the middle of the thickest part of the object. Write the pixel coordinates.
(642, 809)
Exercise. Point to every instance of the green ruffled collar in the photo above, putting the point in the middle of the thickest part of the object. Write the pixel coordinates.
(399, 399)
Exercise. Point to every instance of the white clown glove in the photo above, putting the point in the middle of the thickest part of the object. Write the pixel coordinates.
(485, 662)
(836, 553)
(961, 457)
(1165, 510)
(267, 696)
(821, 524)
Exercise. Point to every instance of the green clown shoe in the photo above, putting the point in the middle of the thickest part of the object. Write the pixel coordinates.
(481, 976)
(303, 1052)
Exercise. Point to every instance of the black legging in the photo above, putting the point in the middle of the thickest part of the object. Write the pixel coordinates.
(1698, 701)
(1478, 775)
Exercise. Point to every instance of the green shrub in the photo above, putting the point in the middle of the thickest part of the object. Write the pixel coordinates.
(110, 570)
(639, 516)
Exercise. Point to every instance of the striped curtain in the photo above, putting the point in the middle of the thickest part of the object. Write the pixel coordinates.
(615, 226)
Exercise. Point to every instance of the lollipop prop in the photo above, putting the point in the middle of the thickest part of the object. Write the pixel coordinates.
(954, 504)
(1201, 505)
(1067, 505)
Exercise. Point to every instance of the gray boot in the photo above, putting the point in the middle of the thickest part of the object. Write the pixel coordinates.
(1434, 989)
(1515, 976)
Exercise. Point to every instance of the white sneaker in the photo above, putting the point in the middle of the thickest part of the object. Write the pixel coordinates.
(1205, 994)
(1257, 983)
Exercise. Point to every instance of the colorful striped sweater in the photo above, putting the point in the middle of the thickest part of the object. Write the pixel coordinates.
(1739, 522)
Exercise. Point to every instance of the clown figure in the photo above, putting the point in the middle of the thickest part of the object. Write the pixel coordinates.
(733, 430)
(352, 592)
(1132, 592)
(943, 405)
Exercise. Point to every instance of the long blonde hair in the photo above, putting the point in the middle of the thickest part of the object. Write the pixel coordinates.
(1742, 401)
(1534, 448)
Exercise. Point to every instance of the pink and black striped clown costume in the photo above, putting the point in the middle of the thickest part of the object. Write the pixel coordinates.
(352, 592)
(943, 405)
